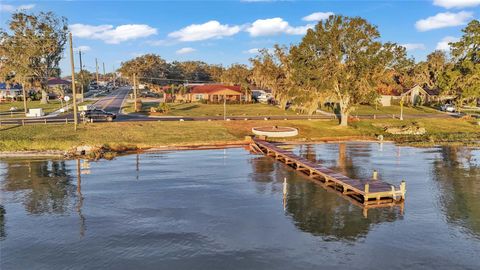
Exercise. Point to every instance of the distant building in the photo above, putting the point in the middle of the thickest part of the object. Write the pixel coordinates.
(10, 91)
(216, 93)
(414, 96)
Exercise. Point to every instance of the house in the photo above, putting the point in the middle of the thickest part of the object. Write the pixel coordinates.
(10, 91)
(216, 93)
(414, 96)
(58, 87)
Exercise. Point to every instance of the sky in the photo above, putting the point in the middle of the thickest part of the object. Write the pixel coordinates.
(226, 32)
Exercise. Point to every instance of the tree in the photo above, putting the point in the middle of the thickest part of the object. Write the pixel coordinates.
(238, 74)
(35, 46)
(427, 73)
(463, 78)
(148, 68)
(343, 58)
(215, 72)
(272, 70)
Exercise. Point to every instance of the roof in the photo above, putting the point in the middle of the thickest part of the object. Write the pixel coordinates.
(56, 81)
(210, 88)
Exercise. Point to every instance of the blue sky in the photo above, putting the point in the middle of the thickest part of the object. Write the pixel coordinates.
(226, 32)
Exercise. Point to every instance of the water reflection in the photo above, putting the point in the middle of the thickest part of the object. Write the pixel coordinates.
(322, 213)
(80, 199)
(46, 185)
(457, 172)
(314, 209)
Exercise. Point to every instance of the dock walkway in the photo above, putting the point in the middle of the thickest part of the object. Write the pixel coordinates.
(368, 192)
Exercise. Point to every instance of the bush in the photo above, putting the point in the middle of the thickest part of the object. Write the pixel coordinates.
(164, 107)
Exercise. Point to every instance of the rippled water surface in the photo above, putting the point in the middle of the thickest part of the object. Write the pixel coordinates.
(224, 209)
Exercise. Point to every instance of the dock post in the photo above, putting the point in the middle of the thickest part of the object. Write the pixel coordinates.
(403, 189)
(285, 186)
(375, 175)
(365, 197)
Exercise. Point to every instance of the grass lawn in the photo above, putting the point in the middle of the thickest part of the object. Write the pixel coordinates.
(394, 109)
(198, 109)
(157, 134)
(49, 107)
(129, 106)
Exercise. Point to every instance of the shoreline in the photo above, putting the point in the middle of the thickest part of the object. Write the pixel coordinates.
(67, 155)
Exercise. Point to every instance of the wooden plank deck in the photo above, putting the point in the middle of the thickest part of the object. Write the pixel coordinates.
(368, 192)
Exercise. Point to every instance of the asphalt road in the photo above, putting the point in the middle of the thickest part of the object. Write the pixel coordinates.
(113, 101)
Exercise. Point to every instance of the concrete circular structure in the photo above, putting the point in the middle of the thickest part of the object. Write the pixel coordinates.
(275, 131)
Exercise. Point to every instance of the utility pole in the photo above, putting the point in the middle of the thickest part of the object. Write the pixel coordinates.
(135, 91)
(75, 120)
(401, 109)
(103, 70)
(81, 72)
(224, 107)
(96, 66)
(114, 76)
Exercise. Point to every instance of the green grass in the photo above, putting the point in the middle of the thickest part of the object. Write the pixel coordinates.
(198, 109)
(158, 134)
(394, 109)
(49, 107)
(146, 105)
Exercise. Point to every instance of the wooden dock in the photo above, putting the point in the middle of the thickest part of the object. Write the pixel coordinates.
(369, 193)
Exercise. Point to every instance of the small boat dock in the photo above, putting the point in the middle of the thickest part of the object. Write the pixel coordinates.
(366, 192)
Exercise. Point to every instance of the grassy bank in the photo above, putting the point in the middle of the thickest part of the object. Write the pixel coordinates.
(389, 110)
(199, 109)
(51, 106)
(159, 134)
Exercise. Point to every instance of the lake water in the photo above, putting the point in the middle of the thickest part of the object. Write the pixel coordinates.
(224, 209)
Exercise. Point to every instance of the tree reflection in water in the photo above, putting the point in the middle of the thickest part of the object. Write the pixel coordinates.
(312, 208)
(457, 173)
(46, 185)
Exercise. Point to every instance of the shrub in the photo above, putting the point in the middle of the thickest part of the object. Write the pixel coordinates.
(164, 107)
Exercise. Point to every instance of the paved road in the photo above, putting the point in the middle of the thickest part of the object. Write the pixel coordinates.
(113, 101)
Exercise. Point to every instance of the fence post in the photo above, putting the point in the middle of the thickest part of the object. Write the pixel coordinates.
(45, 121)
(23, 122)
(66, 120)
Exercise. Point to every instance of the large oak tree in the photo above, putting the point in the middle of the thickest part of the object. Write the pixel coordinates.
(343, 57)
(33, 47)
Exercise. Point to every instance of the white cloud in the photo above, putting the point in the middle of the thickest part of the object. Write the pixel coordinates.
(456, 3)
(257, 50)
(110, 34)
(273, 26)
(12, 8)
(185, 50)
(252, 51)
(83, 48)
(443, 44)
(414, 46)
(442, 20)
(208, 30)
(317, 16)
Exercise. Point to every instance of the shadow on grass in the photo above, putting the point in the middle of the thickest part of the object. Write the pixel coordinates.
(8, 128)
(190, 107)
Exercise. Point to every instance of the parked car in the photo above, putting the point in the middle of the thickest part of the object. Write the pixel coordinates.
(265, 98)
(447, 108)
(149, 94)
(97, 114)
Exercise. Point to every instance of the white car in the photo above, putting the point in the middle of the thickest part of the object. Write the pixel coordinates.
(448, 108)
